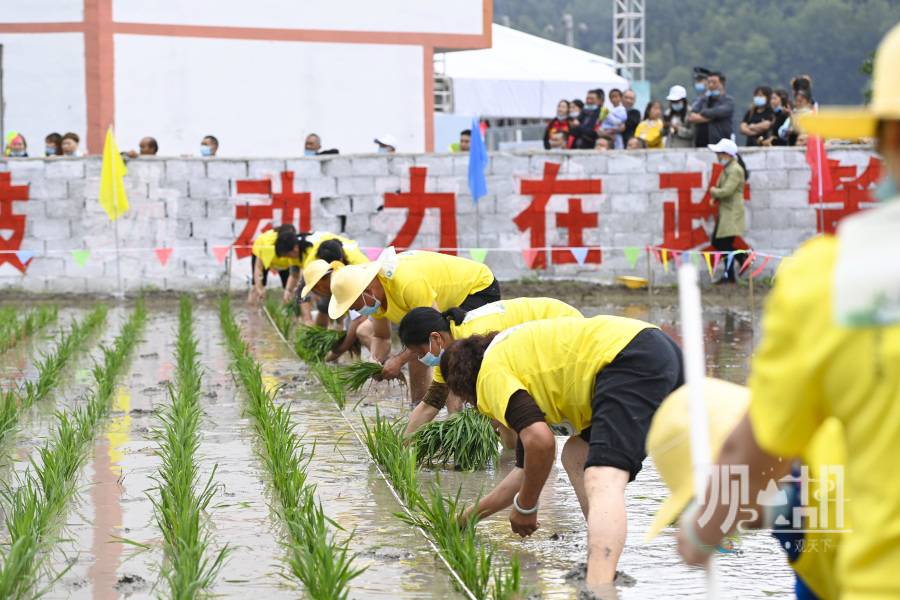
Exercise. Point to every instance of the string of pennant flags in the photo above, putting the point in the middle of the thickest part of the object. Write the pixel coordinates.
(665, 256)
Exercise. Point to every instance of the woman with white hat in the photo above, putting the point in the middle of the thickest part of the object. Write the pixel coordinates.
(394, 284)
(728, 195)
(679, 130)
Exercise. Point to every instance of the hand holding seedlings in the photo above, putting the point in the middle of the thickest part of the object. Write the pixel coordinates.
(522, 524)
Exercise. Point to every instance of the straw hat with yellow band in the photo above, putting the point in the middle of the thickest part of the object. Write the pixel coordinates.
(348, 284)
(861, 122)
(315, 271)
(669, 441)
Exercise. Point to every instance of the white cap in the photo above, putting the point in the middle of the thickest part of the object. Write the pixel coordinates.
(387, 140)
(724, 145)
(677, 92)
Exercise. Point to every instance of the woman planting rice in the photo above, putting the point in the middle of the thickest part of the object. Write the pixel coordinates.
(317, 271)
(424, 330)
(277, 250)
(388, 288)
(598, 381)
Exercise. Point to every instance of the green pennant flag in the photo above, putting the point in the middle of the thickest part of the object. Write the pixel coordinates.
(81, 256)
(695, 259)
(632, 253)
(478, 254)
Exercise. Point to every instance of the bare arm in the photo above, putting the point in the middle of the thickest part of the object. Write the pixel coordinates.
(421, 414)
(381, 342)
(500, 497)
(258, 291)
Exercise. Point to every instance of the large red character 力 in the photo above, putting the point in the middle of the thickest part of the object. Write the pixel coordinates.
(294, 207)
(533, 217)
(9, 246)
(417, 201)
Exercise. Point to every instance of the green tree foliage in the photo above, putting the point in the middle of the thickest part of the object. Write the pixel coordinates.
(755, 42)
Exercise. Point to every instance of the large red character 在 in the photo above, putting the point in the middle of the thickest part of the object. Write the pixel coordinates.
(533, 218)
(294, 208)
(851, 190)
(416, 201)
(9, 246)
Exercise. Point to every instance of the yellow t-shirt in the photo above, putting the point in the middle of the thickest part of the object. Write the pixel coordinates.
(503, 314)
(808, 368)
(355, 256)
(556, 361)
(264, 250)
(422, 278)
(651, 133)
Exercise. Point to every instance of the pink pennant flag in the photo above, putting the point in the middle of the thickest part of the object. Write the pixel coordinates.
(163, 254)
(677, 256)
(760, 268)
(717, 256)
(530, 255)
(221, 253)
(748, 262)
(372, 253)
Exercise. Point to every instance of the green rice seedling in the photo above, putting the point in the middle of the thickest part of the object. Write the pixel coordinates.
(36, 507)
(385, 443)
(315, 557)
(313, 344)
(330, 379)
(465, 439)
(281, 314)
(49, 368)
(17, 329)
(355, 375)
(180, 502)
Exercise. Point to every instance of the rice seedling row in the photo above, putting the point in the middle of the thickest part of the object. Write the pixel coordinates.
(35, 509)
(281, 313)
(13, 330)
(180, 501)
(469, 560)
(315, 556)
(14, 401)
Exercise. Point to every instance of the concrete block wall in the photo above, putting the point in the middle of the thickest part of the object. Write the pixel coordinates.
(188, 204)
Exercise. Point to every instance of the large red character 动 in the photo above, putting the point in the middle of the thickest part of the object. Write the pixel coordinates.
(853, 192)
(533, 217)
(294, 207)
(679, 229)
(416, 201)
(9, 246)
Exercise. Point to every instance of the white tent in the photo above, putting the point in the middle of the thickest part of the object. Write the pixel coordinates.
(524, 76)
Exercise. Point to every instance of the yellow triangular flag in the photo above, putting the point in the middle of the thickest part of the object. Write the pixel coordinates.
(112, 189)
(665, 259)
(708, 264)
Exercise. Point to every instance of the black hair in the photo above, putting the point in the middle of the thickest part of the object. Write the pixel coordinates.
(615, 90)
(785, 98)
(288, 239)
(718, 74)
(153, 144)
(71, 136)
(599, 93)
(579, 103)
(461, 362)
(55, 139)
(802, 82)
(332, 250)
(805, 94)
(417, 324)
(649, 106)
(467, 132)
(740, 161)
(765, 91)
(213, 139)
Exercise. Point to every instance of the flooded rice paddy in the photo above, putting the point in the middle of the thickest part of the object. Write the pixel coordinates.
(110, 545)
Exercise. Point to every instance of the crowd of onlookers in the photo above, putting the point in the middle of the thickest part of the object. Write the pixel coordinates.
(613, 123)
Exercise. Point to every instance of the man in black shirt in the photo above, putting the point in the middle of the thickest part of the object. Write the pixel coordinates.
(715, 113)
(634, 115)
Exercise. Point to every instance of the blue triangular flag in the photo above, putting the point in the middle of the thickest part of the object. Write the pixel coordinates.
(728, 260)
(24, 256)
(580, 254)
(478, 161)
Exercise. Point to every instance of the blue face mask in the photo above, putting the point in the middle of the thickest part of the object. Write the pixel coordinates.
(777, 109)
(700, 87)
(309, 153)
(430, 360)
(205, 151)
(677, 106)
(383, 149)
(713, 93)
(759, 101)
(17, 153)
(886, 190)
(590, 107)
(50, 151)
(368, 311)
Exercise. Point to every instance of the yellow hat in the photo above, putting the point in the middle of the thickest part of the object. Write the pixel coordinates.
(669, 441)
(315, 271)
(348, 283)
(860, 122)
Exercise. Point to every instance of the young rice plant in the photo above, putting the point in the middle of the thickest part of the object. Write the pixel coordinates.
(313, 343)
(14, 330)
(465, 439)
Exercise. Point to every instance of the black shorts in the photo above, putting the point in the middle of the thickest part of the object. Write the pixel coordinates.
(265, 274)
(489, 294)
(627, 393)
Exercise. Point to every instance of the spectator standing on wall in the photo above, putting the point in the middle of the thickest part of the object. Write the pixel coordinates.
(557, 141)
(585, 131)
(614, 123)
(69, 144)
(650, 130)
(147, 146)
(559, 123)
(602, 145)
(635, 143)
(781, 112)
(634, 115)
(728, 195)
(387, 144)
(209, 146)
(16, 146)
(700, 75)
(312, 146)
(713, 118)
(465, 140)
(803, 104)
(678, 130)
(53, 145)
(759, 117)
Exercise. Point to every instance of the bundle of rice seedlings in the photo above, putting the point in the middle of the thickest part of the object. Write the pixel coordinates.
(465, 439)
(355, 375)
(330, 380)
(313, 343)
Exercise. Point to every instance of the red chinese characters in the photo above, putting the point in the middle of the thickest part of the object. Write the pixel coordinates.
(680, 228)
(9, 246)
(851, 190)
(416, 201)
(534, 219)
(294, 208)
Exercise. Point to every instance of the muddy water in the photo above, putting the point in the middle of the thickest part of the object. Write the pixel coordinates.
(114, 502)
